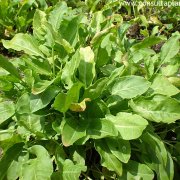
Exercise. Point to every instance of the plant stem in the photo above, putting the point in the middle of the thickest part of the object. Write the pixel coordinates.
(53, 60)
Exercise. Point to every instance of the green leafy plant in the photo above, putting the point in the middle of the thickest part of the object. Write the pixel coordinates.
(86, 101)
(16, 16)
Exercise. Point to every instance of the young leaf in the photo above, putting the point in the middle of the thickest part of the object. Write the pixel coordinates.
(23, 42)
(7, 110)
(87, 66)
(158, 108)
(130, 126)
(129, 87)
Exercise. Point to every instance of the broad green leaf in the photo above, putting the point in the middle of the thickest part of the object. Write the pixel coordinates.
(6, 134)
(123, 29)
(158, 108)
(14, 171)
(23, 42)
(41, 86)
(28, 77)
(72, 131)
(156, 156)
(170, 48)
(130, 126)
(25, 6)
(68, 73)
(161, 85)
(60, 157)
(39, 67)
(108, 160)
(52, 38)
(57, 14)
(42, 100)
(170, 69)
(129, 87)
(87, 66)
(56, 175)
(94, 91)
(116, 104)
(155, 142)
(8, 138)
(38, 21)
(147, 42)
(141, 54)
(108, 69)
(11, 154)
(67, 46)
(96, 109)
(113, 74)
(69, 28)
(5, 85)
(104, 51)
(30, 103)
(71, 170)
(100, 128)
(135, 170)
(23, 104)
(7, 110)
(99, 35)
(32, 123)
(119, 148)
(102, 57)
(79, 155)
(8, 66)
(63, 101)
(97, 19)
(40, 167)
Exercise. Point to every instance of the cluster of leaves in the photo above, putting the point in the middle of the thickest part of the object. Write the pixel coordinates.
(16, 15)
(87, 99)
